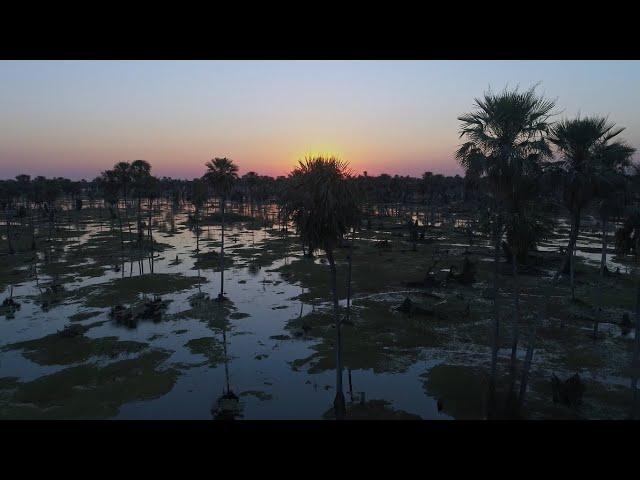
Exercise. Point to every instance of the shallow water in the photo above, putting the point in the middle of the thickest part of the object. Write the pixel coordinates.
(262, 351)
(258, 364)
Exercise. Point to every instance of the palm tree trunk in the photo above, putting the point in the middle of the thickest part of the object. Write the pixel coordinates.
(348, 314)
(151, 234)
(573, 256)
(603, 264)
(573, 235)
(226, 359)
(8, 225)
(126, 215)
(221, 295)
(139, 219)
(635, 363)
(496, 322)
(33, 230)
(516, 308)
(515, 331)
(571, 267)
(527, 366)
(120, 225)
(338, 402)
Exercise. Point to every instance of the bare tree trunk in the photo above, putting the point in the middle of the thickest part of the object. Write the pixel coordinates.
(339, 401)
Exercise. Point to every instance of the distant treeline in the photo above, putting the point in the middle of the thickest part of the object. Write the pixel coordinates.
(126, 183)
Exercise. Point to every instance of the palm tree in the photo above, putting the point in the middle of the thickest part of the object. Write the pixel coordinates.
(580, 142)
(122, 171)
(140, 173)
(610, 194)
(221, 173)
(323, 206)
(110, 184)
(505, 143)
(8, 194)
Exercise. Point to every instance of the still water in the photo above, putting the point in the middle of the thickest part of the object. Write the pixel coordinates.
(259, 369)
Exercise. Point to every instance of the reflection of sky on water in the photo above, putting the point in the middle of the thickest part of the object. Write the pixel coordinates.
(260, 366)
(258, 362)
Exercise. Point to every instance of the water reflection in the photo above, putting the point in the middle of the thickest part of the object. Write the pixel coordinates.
(228, 405)
(269, 376)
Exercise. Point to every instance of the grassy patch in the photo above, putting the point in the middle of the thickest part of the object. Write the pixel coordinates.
(91, 391)
(55, 349)
(127, 290)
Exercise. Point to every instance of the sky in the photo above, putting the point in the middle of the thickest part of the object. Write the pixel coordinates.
(78, 118)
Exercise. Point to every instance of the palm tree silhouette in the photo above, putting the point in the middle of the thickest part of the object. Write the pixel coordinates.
(221, 174)
(505, 144)
(323, 206)
(122, 171)
(140, 173)
(581, 142)
(611, 195)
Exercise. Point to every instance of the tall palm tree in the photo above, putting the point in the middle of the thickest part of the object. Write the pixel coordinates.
(323, 206)
(110, 184)
(611, 193)
(8, 194)
(221, 174)
(505, 143)
(580, 142)
(140, 174)
(122, 171)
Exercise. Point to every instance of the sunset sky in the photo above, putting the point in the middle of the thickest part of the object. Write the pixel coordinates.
(77, 118)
